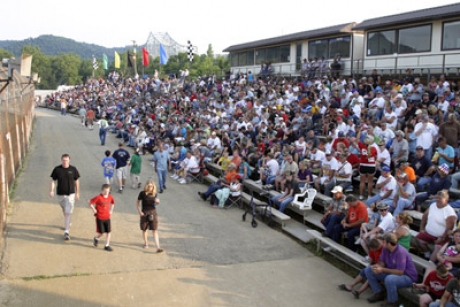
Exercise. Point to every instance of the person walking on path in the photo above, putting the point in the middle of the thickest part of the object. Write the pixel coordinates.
(135, 171)
(102, 206)
(109, 164)
(146, 206)
(162, 163)
(103, 126)
(68, 189)
(122, 157)
(90, 118)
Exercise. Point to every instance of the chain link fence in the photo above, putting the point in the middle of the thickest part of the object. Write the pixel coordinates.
(16, 118)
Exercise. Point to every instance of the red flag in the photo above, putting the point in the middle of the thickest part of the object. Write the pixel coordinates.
(145, 57)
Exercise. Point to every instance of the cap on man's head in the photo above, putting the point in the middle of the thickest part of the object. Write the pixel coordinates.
(419, 111)
(341, 134)
(337, 189)
(328, 153)
(444, 168)
(385, 168)
(382, 206)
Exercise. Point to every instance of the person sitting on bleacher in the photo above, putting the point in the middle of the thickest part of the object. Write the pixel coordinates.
(344, 172)
(404, 194)
(220, 184)
(327, 174)
(386, 184)
(450, 297)
(438, 222)
(439, 181)
(395, 269)
(304, 175)
(375, 247)
(268, 170)
(422, 167)
(351, 223)
(292, 188)
(335, 212)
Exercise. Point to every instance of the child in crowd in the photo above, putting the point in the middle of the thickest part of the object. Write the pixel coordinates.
(224, 161)
(102, 206)
(135, 170)
(374, 218)
(109, 164)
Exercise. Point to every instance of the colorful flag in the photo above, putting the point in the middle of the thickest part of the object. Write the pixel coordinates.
(95, 66)
(163, 55)
(130, 59)
(105, 61)
(117, 60)
(145, 57)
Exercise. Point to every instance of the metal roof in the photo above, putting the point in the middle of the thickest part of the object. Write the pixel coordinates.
(317, 33)
(428, 14)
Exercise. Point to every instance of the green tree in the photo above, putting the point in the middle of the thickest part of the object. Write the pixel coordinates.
(41, 64)
(210, 52)
(66, 67)
(5, 54)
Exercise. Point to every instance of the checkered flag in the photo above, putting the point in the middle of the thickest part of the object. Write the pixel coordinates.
(190, 51)
(95, 66)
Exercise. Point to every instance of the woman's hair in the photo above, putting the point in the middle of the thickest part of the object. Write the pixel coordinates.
(146, 187)
(405, 218)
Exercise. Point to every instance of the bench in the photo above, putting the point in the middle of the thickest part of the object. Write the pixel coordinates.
(358, 260)
(210, 178)
(321, 199)
(262, 207)
(314, 218)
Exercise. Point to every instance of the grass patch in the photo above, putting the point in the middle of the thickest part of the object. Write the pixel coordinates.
(45, 277)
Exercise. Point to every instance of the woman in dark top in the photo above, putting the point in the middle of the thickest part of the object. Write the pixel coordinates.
(146, 204)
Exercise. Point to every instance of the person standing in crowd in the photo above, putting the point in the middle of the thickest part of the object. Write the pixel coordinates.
(82, 115)
(108, 164)
(68, 189)
(161, 164)
(122, 157)
(135, 171)
(102, 206)
(395, 270)
(103, 126)
(147, 201)
(90, 118)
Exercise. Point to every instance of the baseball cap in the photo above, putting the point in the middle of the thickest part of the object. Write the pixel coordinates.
(364, 127)
(382, 206)
(419, 111)
(385, 168)
(336, 189)
(328, 152)
(341, 134)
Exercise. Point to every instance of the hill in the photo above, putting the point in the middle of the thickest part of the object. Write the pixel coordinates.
(53, 45)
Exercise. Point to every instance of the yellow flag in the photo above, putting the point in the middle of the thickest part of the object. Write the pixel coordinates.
(117, 60)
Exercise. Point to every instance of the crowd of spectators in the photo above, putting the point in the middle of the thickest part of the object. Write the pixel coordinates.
(319, 129)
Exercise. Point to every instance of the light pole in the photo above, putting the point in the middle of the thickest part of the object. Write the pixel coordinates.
(134, 58)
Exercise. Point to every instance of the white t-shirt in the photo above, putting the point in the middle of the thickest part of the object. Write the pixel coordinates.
(318, 156)
(273, 166)
(344, 169)
(425, 139)
(384, 154)
(391, 185)
(214, 142)
(386, 223)
(329, 165)
(436, 223)
(395, 120)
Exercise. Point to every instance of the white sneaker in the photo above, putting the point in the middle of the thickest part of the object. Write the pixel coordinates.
(182, 181)
(366, 259)
(173, 175)
(259, 181)
(358, 241)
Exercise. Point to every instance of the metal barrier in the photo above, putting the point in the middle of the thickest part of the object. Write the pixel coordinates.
(16, 117)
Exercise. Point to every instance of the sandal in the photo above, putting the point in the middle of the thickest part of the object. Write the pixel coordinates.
(160, 250)
(355, 294)
(146, 246)
(343, 287)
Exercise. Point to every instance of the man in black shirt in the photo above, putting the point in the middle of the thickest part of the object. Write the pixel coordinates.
(68, 189)
(122, 157)
(290, 190)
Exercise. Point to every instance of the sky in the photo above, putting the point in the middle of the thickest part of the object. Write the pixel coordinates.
(203, 22)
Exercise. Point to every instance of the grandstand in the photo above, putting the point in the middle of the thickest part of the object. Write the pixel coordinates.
(171, 46)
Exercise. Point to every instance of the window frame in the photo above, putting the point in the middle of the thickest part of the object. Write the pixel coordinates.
(411, 27)
(380, 54)
(442, 35)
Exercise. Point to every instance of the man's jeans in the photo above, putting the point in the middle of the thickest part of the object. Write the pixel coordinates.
(351, 233)
(283, 203)
(212, 188)
(375, 198)
(423, 181)
(392, 283)
(402, 205)
(102, 135)
(332, 220)
(162, 174)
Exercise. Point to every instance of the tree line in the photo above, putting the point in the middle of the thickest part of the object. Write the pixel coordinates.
(71, 69)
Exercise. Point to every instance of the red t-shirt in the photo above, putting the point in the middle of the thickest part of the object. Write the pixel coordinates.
(364, 159)
(353, 159)
(437, 285)
(103, 205)
(338, 140)
(374, 256)
(357, 212)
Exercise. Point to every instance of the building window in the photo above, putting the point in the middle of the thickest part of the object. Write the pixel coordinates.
(451, 35)
(260, 56)
(318, 48)
(242, 59)
(250, 57)
(272, 54)
(298, 56)
(381, 42)
(339, 46)
(234, 59)
(285, 53)
(415, 39)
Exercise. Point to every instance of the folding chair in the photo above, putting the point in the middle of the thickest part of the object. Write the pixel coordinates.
(233, 201)
(307, 203)
(196, 174)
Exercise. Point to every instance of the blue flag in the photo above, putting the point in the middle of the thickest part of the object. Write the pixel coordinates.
(163, 55)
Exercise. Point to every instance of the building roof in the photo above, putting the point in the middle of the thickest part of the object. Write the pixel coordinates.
(428, 14)
(317, 33)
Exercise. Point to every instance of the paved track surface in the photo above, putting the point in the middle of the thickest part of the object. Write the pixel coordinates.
(211, 257)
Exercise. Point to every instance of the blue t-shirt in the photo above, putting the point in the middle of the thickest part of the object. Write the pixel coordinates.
(161, 160)
(437, 184)
(109, 164)
(448, 151)
(421, 165)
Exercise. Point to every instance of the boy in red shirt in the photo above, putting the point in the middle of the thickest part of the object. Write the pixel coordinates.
(102, 206)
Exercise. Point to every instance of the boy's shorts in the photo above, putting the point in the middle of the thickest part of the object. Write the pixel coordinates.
(103, 226)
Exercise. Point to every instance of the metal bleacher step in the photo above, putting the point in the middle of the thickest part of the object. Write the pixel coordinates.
(297, 230)
(210, 178)
(314, 218)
